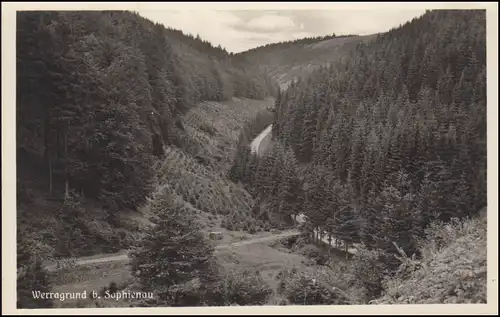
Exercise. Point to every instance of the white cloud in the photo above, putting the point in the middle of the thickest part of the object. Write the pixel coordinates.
(365, 22)
(271, 22)
(301, 35)
(242, 30)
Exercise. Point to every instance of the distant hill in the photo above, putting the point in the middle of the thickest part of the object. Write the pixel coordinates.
(290, 60)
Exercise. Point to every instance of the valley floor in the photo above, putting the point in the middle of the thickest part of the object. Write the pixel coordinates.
(255, 254)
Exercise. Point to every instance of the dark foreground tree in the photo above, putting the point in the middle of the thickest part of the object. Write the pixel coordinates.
(32, 278)
(174, 258)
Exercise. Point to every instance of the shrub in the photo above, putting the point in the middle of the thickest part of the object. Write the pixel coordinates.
(311, 251)
(301, 289)
(238, 226)
(112, 288)
(267, 227)
(210, 130)
(252, 229)
(242, 288)
(370, 271)
(452, 269)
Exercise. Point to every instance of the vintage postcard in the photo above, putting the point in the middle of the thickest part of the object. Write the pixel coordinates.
(292, 158)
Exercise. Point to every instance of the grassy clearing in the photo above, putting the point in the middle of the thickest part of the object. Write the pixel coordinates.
(271, 260)
(266, 260)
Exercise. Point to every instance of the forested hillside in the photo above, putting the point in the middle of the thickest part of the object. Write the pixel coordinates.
(100, 96)
(135, 137)
(385, 141)
(289, 60)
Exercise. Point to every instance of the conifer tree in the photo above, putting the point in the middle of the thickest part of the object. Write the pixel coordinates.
(173, 252)
(32, 277)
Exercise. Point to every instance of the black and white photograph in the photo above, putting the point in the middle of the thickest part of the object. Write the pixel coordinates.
(197, 156)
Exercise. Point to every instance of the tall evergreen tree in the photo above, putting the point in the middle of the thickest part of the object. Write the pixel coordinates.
(173, 252)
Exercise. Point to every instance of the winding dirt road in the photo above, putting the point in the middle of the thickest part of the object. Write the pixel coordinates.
(124, 257)
(261, 142)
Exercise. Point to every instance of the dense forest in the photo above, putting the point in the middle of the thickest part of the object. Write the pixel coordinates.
(99, 96)
(378, 145)
(383, 147)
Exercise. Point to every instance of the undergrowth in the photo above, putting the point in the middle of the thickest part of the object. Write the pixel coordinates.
(452, 268)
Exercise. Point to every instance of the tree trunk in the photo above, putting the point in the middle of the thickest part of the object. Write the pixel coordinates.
(58, 144)
(329, 244)
(50, 175)
(46, 152)
(66, 187)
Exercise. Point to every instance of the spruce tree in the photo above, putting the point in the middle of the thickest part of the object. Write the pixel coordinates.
(32, 279)
(31, 275)
(174, 252)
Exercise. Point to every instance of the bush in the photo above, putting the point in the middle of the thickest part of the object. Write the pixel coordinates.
(370, 271)
(252, 229)
(112, 288)
(301, 289)
(242, 288)
(210, 130)
(238, 226)
(452, 269)
(311, 251)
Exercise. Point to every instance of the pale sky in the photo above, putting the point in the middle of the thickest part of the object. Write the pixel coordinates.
(240, 30)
